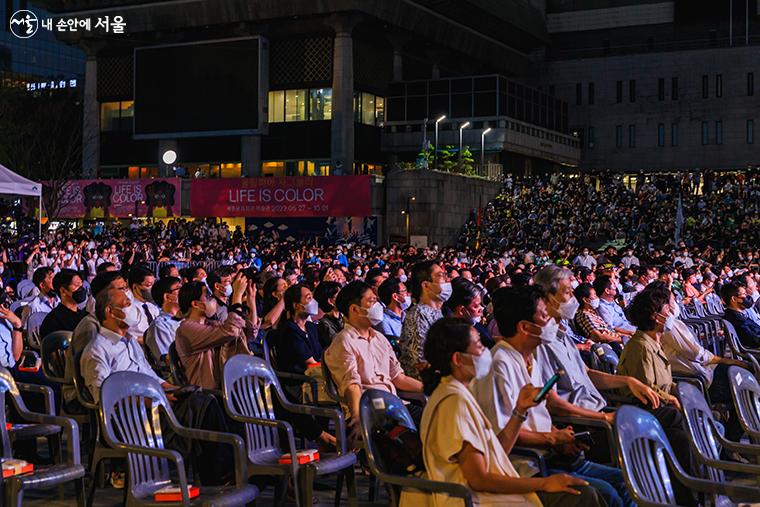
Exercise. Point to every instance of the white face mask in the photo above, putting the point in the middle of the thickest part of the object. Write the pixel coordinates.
(406, 303)
(375, 313)
(446, 290)
(755, 295)
(676, 311)
(312, 307)
(402, 278)
(594, 303)
(228, 290)
(669, 321)
(549, 331)
(481, 364)
(574, 284)
(568, 308)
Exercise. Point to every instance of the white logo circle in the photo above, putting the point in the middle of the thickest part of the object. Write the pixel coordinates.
(24, 24)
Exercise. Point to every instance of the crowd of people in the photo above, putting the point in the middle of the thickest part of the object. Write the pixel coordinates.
(478, 330)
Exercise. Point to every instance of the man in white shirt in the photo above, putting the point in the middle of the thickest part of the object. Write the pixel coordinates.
(629, 259)
(585, 260)
(521, 316)
(142, 312)
(162, 331)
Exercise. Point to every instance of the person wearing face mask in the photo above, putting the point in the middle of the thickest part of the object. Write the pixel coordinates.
(588, 321)
(748, 280)
(585, 260)
(646, 275)
(220, 284)
(143, 311)
(737, 302)
(162, 331)
(688, 358)
(609, 309)
(521, 316)
(331, 322)
(629, 259)
(65, 317)
(460, 445)
(394, 295)
(361, 358)
(198, 335)
(466, 302)
(431, 288)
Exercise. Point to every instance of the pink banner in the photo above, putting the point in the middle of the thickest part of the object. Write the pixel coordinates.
(292, 196)
(120, 198)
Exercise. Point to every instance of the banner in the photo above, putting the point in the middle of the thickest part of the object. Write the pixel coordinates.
(120, 198)
(291, 196)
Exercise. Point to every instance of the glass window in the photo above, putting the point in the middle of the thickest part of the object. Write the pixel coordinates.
(578, 94)
(719, 85)
(660, 134)
(750, 83)
(368, 108)
(591, 93)
(109, 116)
(631, 136)
(674, 134)
(661, 89)
(674, 88)
(619, 136)
(705, 86)
(718, 132)
(320, 105)
(380, 110)
(276, 106)
(619, 90)
(705, 133)
(750, 131)
(295, 105)
(632, 90)
(358, 106)
(591, 138)
(273, 168)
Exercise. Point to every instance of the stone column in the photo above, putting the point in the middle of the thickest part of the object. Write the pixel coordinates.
(91, 113)
(250, 156)
(165, 170)
(342, 124)
(398, 40)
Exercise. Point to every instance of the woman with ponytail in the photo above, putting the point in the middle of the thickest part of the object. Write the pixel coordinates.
(459, 445)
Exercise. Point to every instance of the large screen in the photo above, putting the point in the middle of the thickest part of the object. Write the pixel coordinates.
(198, 89)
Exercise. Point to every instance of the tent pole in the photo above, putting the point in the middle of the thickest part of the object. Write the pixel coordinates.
(39, 224)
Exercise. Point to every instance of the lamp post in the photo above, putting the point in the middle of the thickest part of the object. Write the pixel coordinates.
(461, 127)
(408, 213)
(439, 120)
(483, 147)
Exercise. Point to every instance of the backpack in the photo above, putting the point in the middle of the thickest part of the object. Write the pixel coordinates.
(400, 449)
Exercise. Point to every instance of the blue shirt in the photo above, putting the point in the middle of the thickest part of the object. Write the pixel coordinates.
(6, 344)
(613, 315)
(342, 259)
(161, 334)
(294, 346)
(391, 324)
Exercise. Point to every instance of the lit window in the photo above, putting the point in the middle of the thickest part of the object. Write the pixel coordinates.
(295, 105)
(320, 104)
(368, 108)
(276, 106)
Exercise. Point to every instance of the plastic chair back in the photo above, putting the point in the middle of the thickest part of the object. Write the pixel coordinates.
(33, 324)
(603, 358)
(642, 446)
(701, 422)
(247, 384)
(746, 394)
(129, 405)
(175, 366)
(331, 388)
(7, 386)
(53, 349)
(270, 354)
(376, 407)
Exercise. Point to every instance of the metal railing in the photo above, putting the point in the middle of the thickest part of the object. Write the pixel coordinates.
(491, 172)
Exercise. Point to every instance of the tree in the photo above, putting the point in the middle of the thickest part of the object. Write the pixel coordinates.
(41, 139)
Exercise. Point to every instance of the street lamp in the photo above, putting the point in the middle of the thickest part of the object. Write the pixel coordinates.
(408, 213)
(439, 120)
(483, 147)
(461, 127)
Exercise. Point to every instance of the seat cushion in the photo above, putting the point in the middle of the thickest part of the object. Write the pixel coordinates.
(49, 476)
(331, 463)
(30, 431)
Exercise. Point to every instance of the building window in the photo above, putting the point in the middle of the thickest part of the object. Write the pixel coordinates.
(632, 90)
(750, 131)
(295, 105)
(320, 104)
(631, 136)
(591, 93)
(117, 116)
(750, 84)
(661, 89)
(619, 88)
(578, 94)
(719, 85)
(300, 105)
(591, 138)
(369, 109)
(705, 133)
(674, 88)
(277, 106)
(705, 87)
(618, 136)
(718, 132)
(674, 134)
(660, 134)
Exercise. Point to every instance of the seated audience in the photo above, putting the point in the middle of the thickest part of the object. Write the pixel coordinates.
(331, 322)
(588, 321)
(67, 284)
(737, 301)
(609, 309)
(163, 330)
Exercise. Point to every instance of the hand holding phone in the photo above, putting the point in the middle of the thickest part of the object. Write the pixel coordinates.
(548, 386)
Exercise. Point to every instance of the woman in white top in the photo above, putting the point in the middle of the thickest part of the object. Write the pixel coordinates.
(459, 445)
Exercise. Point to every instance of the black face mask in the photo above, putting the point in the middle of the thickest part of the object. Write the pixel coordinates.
(79, 296)
(747, 302)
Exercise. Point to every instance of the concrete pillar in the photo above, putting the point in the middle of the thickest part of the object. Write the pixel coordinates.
(398, 40)
(91, 120)
(342, 125)
(250, 156)
(164, 145)
(435, 71)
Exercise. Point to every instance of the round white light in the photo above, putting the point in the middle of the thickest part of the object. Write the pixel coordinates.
(169, 157)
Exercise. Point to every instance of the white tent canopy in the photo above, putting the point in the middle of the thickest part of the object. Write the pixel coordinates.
(14, 184)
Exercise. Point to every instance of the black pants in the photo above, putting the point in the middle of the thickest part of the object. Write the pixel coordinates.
(720, 392)
(589, 497)
(307, 426)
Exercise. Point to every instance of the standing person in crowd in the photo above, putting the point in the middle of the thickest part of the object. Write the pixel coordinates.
(331, 322)
(163, 330)
(459, 445)
(67, 284)
(585, 259)
(522, 316)
(431, 288)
